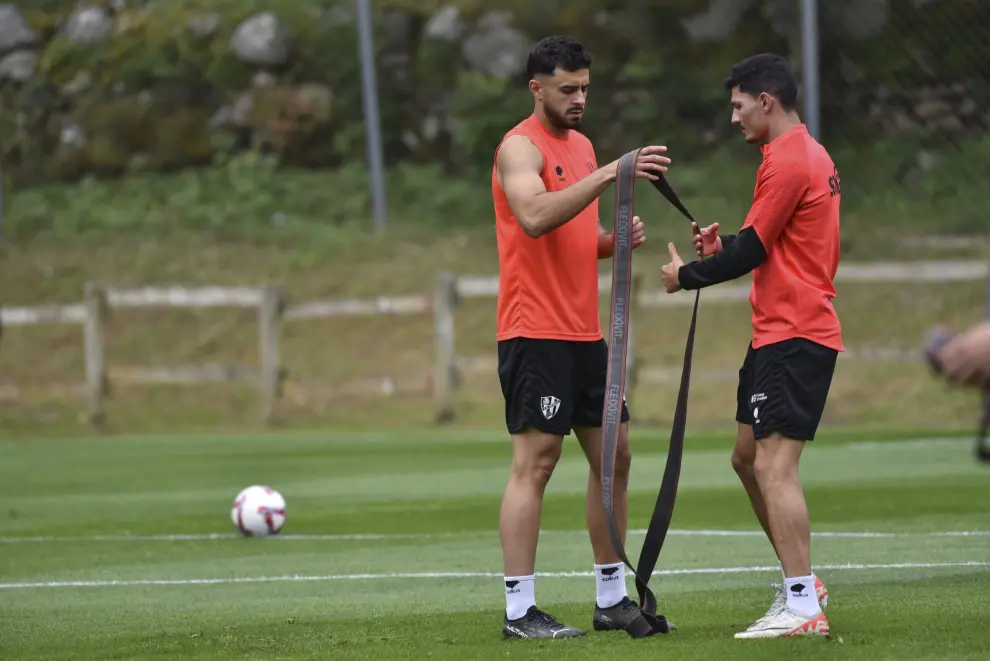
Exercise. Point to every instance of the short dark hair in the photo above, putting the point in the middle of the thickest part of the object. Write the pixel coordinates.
(558, 51)
(768, 73)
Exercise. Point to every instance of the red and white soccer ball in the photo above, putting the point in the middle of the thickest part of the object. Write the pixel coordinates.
(258, 511)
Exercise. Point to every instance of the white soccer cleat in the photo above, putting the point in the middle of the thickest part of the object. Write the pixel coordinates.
(821, 592)
(780, 601)
(785, 623)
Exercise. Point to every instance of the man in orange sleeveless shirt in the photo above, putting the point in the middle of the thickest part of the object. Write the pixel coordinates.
(552, 356)
(790, 241)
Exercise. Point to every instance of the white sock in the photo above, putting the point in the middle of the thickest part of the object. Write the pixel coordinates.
(783, 576)
(610, 584)
(801, 595)
(519, 596)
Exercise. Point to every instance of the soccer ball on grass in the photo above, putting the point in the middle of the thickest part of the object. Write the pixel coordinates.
(258, 511)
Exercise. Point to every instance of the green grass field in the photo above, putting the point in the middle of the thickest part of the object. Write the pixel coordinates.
(324, 357)
(122, 548)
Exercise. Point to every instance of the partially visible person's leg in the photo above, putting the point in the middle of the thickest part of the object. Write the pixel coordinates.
(614, 610)
(534, 456)
(609, 570)
(536, 378)
(777, 461)
(744, 452)
(790, 384)
(743, 462)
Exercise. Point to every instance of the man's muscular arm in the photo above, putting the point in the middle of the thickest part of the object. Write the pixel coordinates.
(538, 210)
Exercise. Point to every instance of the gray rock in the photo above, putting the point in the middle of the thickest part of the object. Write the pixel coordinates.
(79, 83)
(316, 100)
(497, 49)
(263, 79)
(410, 139)
(242, 109)
(860, 19)
(14, 31)
(262, 40)
(224, 116)
(72, 135)
(19, 66)
(88, 25)
(927, 161)
(446, 24)
(431, 127)
(494, 20)
(203, 25)
(718, 23)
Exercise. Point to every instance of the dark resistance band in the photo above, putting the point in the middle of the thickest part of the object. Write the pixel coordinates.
(651, 623)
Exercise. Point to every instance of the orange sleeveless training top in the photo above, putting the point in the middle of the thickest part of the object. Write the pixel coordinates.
(548, 286)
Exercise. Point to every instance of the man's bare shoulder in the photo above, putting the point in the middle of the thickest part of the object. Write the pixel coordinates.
(518, 145)
(519, 152)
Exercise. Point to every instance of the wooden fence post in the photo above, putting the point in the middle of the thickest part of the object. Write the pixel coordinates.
(444, 372)
(632, 362)
(269, 318)
(95, 301)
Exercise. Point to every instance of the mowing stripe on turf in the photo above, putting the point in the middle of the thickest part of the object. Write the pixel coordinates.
(447, 535)
(435, 575)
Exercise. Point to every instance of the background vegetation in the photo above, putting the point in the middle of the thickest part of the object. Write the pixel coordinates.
(145, 143)
(905, 105)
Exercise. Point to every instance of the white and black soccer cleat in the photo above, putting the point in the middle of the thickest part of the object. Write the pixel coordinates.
(622, 616)
(537, 624)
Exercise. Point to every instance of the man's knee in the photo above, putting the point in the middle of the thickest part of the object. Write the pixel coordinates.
(534, 456)
(777, 459)
(744, 452)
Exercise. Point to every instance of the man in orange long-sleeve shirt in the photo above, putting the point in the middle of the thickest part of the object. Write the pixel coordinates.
(790, 241)
(552, 356)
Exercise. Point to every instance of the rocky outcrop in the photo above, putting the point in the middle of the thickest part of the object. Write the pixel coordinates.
(106, 87)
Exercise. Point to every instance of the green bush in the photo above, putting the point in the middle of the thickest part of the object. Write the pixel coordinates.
(149, 97)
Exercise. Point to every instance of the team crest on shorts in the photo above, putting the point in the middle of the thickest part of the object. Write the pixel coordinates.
(549, 405)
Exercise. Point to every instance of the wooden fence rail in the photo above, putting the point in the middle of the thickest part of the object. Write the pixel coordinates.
(449, 369)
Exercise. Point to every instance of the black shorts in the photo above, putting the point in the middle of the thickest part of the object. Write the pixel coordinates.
(553, 385)
(783, 388)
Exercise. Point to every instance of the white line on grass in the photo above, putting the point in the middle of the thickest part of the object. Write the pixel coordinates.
(399, 536)
(435, 575)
